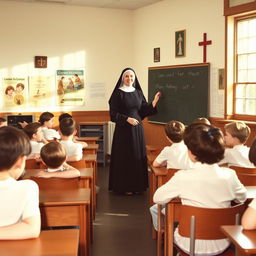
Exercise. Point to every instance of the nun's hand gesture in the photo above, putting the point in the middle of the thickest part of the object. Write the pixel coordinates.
(132, 121)
(156, 98)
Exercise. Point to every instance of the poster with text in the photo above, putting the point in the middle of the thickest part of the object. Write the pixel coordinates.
(15, 92)
(70, 87)
(41, 93)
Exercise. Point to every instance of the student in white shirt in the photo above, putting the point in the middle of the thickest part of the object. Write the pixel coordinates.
(54, 157)
(249, 216)
(252, 153)
(67, 129)
(176, 155)
(37, 140)
(46, 120)
(19, 215)
(236, 134)
(206, 185)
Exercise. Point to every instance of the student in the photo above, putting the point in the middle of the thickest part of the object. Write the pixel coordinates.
(3, 122)
(249, 216)
(236, 134)
(64, 115)
(252, 153)
(176, 155)
(206, 185)
(46, 120)
(19, 215)
(54, 157)
(37, 140)
(201, 120)
(67, 130)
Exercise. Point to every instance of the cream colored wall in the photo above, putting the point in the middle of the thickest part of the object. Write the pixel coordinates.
(94, 39)
(155, 26)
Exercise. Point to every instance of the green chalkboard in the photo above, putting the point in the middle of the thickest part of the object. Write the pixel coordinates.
(184, 92)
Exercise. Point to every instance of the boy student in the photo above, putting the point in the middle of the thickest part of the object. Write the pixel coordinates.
(236, 134)
(19, 215)
(3, 122)
(37, 140)
(46, 120)
(54, 156)
(67, 130)
(206, 185)
(176, 155)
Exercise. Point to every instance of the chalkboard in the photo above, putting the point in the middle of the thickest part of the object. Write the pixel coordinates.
(184, 92)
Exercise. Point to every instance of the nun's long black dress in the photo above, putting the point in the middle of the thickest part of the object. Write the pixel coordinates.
(128, 163)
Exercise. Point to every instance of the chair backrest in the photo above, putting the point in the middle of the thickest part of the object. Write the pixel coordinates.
(207, 221)
(240, 169)
(170, 173)
(247, 179)
(56, 183)
(78, 164)
(32, 164)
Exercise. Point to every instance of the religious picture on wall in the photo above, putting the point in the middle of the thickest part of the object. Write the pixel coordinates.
(15, 92)
(180, 43)
(70, 87)
(156, 54)
(40, 91)
(221, 78)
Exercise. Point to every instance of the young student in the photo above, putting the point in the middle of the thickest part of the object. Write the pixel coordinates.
(236, 134)
(201, 120)
(252, 153)
(64, 115)
(67, 130)
(19, 215)
(249, 217)
(206, 185)
(54, 156)
(37, 140)
(46, 120)
(176, 155)
(3, 122)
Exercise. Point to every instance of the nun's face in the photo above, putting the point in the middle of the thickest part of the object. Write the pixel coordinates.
(128, 79)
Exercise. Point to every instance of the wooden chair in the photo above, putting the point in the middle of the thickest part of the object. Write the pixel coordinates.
(240, 169)
(56, 183)
(77, 164)
(32, 164)
(247, 179)
(202, 223)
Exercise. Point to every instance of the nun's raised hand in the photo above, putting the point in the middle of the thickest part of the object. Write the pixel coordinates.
(156, 98)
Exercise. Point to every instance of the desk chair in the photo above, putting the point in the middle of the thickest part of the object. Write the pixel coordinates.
(32, 164)
(240, 169)
(247, 179)
(77, 164)
(56, 183)
(203, 223)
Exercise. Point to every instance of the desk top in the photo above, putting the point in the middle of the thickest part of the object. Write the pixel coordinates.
(92, 138)
(245, 240)
(92, 146)
(49, 243)
(64, 197)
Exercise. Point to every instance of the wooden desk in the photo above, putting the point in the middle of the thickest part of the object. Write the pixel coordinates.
(89, 140)
(68, 208)
(244, 240)
(91, 149)
(49, 243)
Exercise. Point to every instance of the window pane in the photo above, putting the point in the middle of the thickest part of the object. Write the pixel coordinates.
(251, 44)
(240, 91)
(242, 29)
(252, 75)
(239, 106)
(242, 45)
(250, 107)
(251, 91)
(251, 27)
(242, 76)
(252, 60)
(242, 62)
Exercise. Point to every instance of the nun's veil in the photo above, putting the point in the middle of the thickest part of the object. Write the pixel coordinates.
(136, 83)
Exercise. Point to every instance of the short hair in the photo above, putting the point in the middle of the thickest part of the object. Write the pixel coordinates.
(206, 142)
(20, 85)
(201, 120)
(64, 115)
(239, 130)
(53, 154)
(67, 126)
(252, 153)
(8, 88)
(44, 117)
(174, 130)
(31, 129)
(14, 143)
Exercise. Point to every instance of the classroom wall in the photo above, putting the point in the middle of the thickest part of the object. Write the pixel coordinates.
(73, 37)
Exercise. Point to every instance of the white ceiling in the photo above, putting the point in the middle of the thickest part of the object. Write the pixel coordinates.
(119, 4)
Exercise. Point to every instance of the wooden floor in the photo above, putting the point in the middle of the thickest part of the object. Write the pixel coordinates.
(122, 224)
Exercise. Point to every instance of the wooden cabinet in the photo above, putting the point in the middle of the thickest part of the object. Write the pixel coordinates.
(96, 129)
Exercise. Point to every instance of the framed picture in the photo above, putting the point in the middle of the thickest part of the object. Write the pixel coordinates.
(180, 43)
(221, 76)
(40, 61)
(156, 54)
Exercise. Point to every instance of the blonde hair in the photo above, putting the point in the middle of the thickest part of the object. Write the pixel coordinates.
(239, 130)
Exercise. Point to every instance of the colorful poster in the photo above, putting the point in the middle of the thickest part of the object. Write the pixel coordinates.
(70, 87)
(40, 92)
(15, 92)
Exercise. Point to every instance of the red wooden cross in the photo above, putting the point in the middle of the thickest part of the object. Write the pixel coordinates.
(204, 43)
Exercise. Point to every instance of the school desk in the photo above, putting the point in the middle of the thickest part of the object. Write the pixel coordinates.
(91, 149)
(68, 208)
(49, 243)
(89, 140)
(244, 240)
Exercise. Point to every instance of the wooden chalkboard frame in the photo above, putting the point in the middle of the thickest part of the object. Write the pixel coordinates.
(202, 79)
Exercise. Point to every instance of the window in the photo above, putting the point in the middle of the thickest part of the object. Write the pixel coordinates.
(245, 63)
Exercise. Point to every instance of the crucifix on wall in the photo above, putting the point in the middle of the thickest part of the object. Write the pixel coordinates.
(40, 61)
(204, 43)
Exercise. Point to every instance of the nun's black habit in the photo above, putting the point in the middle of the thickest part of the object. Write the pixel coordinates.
(128, 162)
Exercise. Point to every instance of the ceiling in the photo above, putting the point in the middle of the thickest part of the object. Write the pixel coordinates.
(118, 4)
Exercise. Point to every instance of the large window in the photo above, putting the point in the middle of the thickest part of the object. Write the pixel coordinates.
(245, 67)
